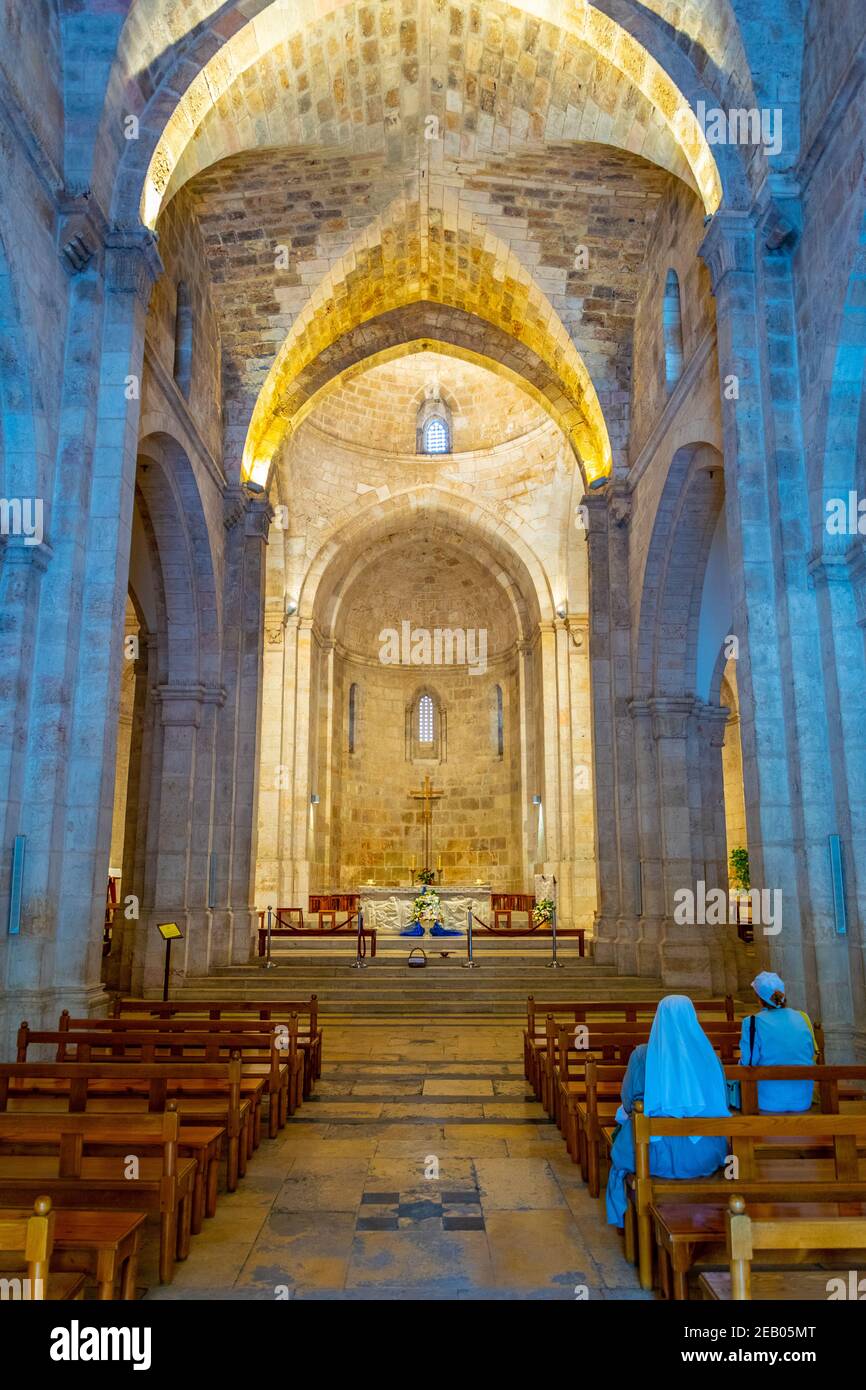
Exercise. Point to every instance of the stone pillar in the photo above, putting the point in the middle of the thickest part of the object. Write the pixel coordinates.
(579, 773)
(118, 966)
(783, 711)
(616, 839)
(72, 726)
(641, 956)
(235, 835)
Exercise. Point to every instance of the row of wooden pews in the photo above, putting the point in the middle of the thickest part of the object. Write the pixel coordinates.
(109, 1125)
(794, 1178)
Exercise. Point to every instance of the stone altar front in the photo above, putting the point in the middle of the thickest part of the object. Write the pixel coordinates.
(389, 910)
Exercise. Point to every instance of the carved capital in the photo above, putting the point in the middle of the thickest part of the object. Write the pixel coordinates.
(712, 722)
(234, 505)
(729, 246)
(828, 567)
(257, 520)
(17, 550)
(670, 715)
(132, 261)
(81, 232)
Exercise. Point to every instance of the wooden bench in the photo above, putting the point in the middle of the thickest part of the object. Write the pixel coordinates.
(581, 1011)
(49, 1154)
(270, 1011)
(31, 1236)
(262, 1070)
(564, 1082)
(604, 1086)
(216, 1114)
(748, 1233)
(771, 1167)
(686, 1231)
(285, 1091)
(102, 1244)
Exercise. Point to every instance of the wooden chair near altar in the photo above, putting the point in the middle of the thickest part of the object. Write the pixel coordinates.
(502, 905)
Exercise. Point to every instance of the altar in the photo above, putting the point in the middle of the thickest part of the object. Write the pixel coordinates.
(389, 910)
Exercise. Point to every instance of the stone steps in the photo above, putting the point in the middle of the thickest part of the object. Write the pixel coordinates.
(390, 990)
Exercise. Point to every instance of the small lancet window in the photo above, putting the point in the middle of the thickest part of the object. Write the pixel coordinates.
(425, 719)
(436, 437)
(672, 322)
(353, 715)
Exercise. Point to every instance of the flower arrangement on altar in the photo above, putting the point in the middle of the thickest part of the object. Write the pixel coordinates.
(543, 911)
(426, 876)
(426, 908)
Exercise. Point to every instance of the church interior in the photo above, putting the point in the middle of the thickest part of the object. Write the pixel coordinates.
(432, 633)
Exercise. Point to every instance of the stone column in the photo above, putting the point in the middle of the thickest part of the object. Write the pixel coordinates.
(118, 967)
(613, 740)
(73, 720)
(641, 956)
(579, 773)
(783, 711)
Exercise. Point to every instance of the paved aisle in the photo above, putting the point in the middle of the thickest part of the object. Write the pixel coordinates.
(421, 1169)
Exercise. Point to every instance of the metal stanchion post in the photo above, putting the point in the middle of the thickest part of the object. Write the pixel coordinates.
(469, 963)
(554, 964)
(359, 963)
(267, 963)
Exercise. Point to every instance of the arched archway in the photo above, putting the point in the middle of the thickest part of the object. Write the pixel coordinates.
(166, 738)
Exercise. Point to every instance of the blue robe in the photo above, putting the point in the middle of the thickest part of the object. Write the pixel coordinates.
(783, 1038)
(673, 1156)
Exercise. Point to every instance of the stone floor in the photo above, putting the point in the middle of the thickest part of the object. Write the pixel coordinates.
(422, 1168)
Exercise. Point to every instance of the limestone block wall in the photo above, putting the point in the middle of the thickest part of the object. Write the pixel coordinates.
(184, 255)
(677, 232)
(476, 824)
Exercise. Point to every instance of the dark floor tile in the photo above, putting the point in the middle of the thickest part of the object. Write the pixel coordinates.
(463, 1223)
(377, 1223)
(380, 1199)
(468, 1197)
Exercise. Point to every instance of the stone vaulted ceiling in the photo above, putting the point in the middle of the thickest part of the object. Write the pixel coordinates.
(324, 207)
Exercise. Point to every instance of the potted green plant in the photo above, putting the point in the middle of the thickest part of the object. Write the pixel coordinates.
(738, 869)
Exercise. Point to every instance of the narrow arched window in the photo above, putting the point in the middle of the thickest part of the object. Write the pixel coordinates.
(353, 715)
(183, 339)
(672, 322)
(433, 426)
(500, 727)
(425, 719)
(436, 438)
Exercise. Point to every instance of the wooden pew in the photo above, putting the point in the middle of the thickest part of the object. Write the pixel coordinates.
(258, 1077)
(283, 1101)
(747, 1233)
(780, 1174)
(604, 1086)
(684, 1231)
(565, 1085)
(48, 1154)
(102, 1244)
(268, 1011)
(30, 1235)
(216, 1113)
(582, 1011)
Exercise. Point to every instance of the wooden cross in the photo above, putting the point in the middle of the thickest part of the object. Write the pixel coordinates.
(427, 795)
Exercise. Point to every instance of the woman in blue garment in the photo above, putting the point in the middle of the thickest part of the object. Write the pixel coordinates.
(778, 1037)
(676, 1073)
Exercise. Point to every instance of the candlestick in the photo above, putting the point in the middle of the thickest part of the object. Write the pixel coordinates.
(412, 864)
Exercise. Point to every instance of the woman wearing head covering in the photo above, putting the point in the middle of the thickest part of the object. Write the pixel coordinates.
(778, 1037)
(676, 1073)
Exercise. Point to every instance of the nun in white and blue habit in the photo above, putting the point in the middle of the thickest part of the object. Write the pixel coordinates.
(676, 1073)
